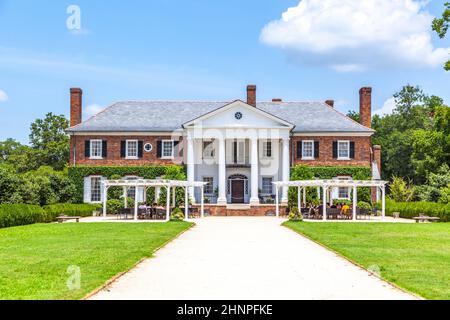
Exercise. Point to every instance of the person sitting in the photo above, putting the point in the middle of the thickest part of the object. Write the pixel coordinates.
(345, 210)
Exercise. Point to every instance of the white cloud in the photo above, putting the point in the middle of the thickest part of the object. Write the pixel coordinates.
(387, 108)
(3, 96)
(355, 35)
(93, 109)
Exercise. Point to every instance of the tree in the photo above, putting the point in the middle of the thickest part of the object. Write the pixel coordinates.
(22, 158)
(48, 136)
(354, 115)
(441, 25)
(400, 190)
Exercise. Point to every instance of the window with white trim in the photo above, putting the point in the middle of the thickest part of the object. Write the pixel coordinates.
(96, 149)
(167, 149)
(267, 149)
(208, 150)
(344, 192)
(343, 149)
(307, 149)
(131, 149)
(267, 186)
(209, 187)
(96, 189)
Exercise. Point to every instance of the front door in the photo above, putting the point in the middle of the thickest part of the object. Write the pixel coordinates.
(237, 191)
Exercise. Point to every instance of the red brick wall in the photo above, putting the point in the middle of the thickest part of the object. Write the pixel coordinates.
(76, 106)
(113, 156)
(362, 152)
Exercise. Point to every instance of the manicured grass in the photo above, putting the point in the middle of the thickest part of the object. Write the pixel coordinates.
(416, 257)
(34, 259)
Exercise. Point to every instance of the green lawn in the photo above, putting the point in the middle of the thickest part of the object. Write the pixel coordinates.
(34, 259)
(413, 256)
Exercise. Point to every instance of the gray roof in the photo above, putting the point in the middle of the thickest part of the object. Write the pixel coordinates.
(161, 116)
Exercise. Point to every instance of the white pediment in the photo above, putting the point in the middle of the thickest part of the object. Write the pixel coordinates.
(238, 114)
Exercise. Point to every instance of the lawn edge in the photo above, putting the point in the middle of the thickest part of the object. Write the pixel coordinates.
(355, 263)
(134, 266)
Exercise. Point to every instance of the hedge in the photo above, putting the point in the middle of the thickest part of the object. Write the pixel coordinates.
(78, 173)
(12, 215)
(414, 209)
(69, 209)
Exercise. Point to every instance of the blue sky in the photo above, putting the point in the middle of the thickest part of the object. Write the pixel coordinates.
(200, 50)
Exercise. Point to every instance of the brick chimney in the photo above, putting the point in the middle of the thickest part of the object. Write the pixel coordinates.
(251, 95)
(365, 106)
(76, 106)
(330, 103)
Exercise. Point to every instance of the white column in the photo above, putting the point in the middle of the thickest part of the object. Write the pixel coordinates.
(136, 203)
(299, 197)
(202, 202)
(254, 199)
(383, 202)
(277, 202)
(168, 204)
(186, 203)
(222, 199)
(286, 170)
(355, 201)
(190, 166)
(324, 204)
(105, 199)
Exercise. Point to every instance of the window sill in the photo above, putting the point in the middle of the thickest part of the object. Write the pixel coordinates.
(308, 159)
(95, 158)
(131, 158)
(167, 158)
(343, 159)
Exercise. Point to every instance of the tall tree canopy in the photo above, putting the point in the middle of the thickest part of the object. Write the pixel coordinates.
(440, 25)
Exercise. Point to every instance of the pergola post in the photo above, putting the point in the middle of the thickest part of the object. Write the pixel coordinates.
(325, 203)
(168, 203)
(174, 199)
(355, 201)
(202, 202)
(105, 199)
(304, 197)
(136, 204)
(383, 202)
(186, 203)
(277, 202)
(125, 197)
(299, 197)
(157, 193)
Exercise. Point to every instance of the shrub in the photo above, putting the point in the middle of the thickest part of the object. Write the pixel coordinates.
(400, 190)
(69, 209)
(364, 205)
(113, 206)
(177, 215)
(20, 214)
(295, 215)
(414, 209)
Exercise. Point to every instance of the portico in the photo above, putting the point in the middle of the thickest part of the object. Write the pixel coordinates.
(239, 151)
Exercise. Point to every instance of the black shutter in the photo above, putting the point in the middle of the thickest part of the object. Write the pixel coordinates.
(316, 149)
(335, 150)
(140, 149)
(352, 150)
(159, 149)
(87, 148)
(176, 149)
(299, 150)
(104, 149)
(123, 146)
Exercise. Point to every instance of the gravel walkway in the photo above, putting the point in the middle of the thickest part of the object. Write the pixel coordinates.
(247, 258)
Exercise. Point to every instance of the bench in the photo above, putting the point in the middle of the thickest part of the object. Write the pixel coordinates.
(62, 219)
(426, 219)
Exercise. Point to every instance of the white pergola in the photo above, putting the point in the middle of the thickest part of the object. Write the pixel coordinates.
(326, 185)
(157, 184)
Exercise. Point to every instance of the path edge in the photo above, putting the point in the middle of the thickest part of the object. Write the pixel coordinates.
(134, 266)
(356, 264)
